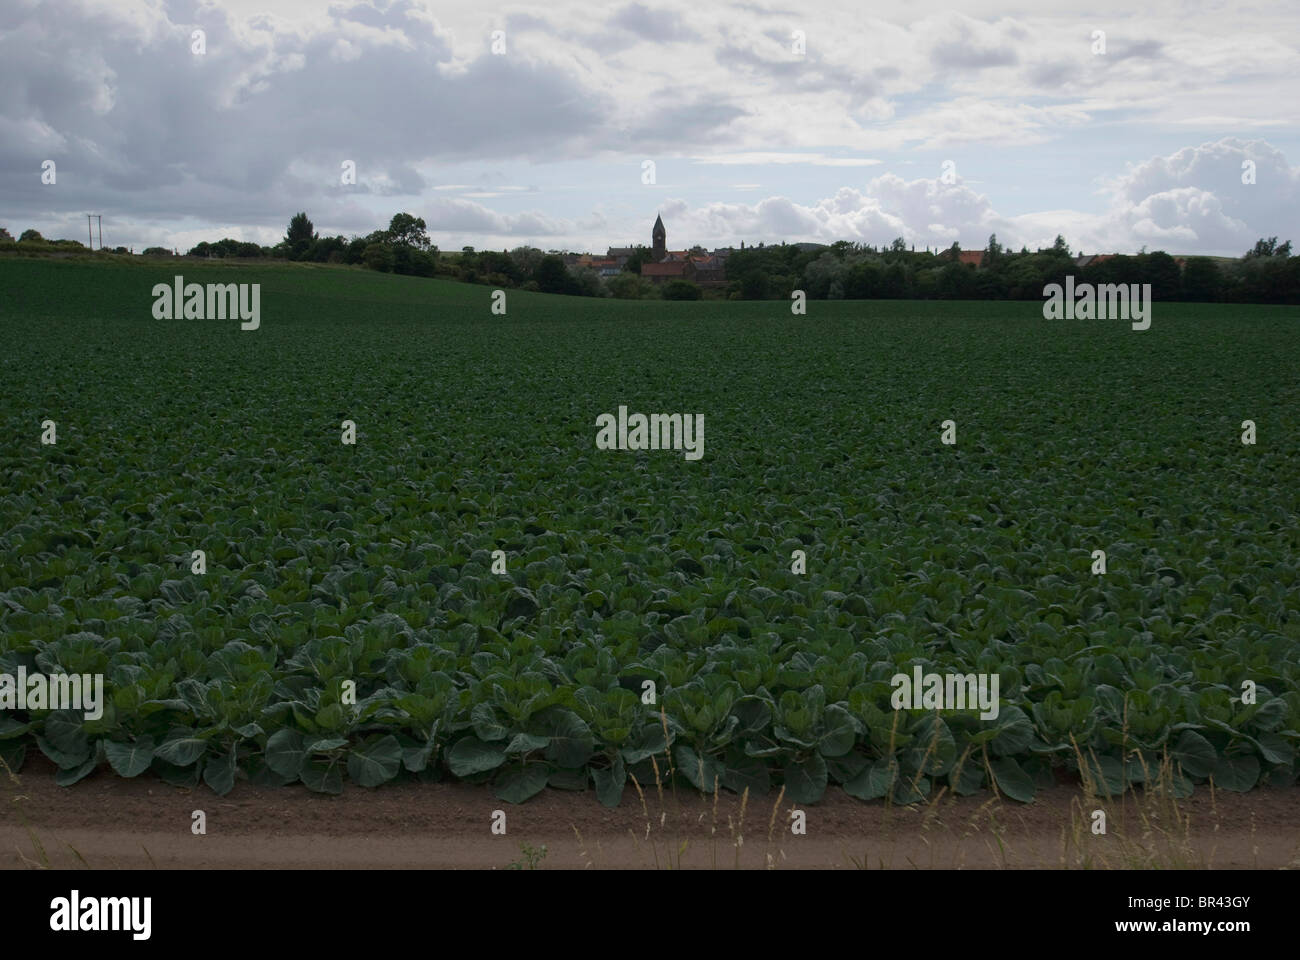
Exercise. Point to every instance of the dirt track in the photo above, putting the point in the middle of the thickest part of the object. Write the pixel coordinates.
(108, 822)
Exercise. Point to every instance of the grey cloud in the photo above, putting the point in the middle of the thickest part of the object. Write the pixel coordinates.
(135, 121)
(658, 24)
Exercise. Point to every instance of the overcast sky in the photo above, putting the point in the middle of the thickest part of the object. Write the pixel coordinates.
(546, 143)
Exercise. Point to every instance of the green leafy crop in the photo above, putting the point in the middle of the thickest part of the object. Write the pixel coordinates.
(349, 625)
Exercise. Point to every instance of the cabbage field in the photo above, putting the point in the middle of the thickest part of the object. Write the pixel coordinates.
(352, 623)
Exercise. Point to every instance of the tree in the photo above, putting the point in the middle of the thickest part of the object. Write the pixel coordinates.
(299, 236)
(955, 282)
(378, 257)
(993, 252)
(551, 275)
(1162, 272)
(1268, 248)
(680, 290)
(1060, 246)
(586, 283)
(822, 274)
(628, 286)
(526, 260)
(320, 250)
(1202, 280)
(640, 255)
(501, 264)
(406, 230)
(411, 261)
(5, 235)
(31, 236)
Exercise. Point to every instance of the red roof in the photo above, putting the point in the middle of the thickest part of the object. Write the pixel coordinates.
(672, 269)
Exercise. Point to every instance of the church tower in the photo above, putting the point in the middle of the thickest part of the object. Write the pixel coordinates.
(658, 240)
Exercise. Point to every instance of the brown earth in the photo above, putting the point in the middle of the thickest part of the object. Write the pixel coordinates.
(110, 822)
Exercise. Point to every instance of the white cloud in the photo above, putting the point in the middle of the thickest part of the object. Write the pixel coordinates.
(758, 158)
(409, 90)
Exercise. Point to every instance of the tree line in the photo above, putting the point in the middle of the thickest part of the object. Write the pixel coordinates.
(1268, 273)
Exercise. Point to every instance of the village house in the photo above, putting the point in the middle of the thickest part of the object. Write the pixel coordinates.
(705, 269)
(1082, 261)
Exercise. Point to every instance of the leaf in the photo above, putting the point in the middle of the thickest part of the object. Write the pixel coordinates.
(843, 769)
(415, 757)
(746, 773)
(839, 733)
(933, 750)
(323, 776)
(486, 726)
(968, 779)
(285, 752)
(525, 742)
(130, 759)
(219, 773)
(1236, 772)
(12, 756)
(470, 755)
(873, 782)
(610, 782)
(806, 782)
(1015, 732)
(571, 743)
(64, 761)
(66, 734)
(702, 772)
(910, 789)
(262, 775)
(1271, 715)
(175, 776)
(67, 777)
(562, 778)
(376, 761)
(1106, 774)
(10, 728)
(1194, 754)
(332, 718)
(1275, 750)
(521, 603)
(1011, 779)
(181, 751)
(517, 784)
(647, 743)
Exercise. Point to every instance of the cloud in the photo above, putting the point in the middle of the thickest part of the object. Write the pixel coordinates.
(260, 123)
(660, 24)
(758, 158)
(1192, 201)
(163, 140)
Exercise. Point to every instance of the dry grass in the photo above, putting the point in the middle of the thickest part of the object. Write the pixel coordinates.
(659, 834)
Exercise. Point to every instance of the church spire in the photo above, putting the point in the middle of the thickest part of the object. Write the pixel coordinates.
(659, 240)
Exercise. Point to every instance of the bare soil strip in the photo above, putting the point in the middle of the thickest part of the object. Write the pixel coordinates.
(107, 822)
